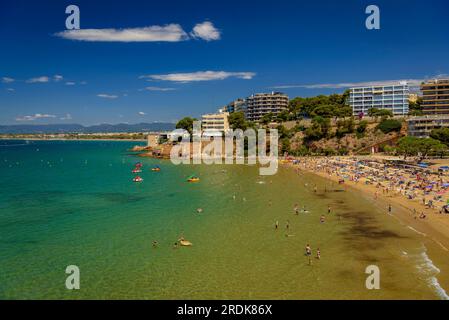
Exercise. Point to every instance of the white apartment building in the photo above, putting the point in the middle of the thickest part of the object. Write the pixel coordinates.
(391, 97)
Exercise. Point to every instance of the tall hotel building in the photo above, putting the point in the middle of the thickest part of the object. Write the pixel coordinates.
(236, 106)
(260, 104)
(435, 96)
(391, 97)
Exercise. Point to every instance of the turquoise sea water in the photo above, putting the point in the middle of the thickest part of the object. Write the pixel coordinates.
(74, 203)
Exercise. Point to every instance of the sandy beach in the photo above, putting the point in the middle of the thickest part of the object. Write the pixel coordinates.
(417, 214)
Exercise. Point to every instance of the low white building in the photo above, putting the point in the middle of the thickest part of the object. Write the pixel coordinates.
(218, 122)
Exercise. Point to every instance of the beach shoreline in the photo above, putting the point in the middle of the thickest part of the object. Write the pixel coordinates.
(434, 227)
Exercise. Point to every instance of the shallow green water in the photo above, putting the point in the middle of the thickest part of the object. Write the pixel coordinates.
(73, 203)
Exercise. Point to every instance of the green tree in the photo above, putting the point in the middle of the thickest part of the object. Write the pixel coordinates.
(408, 146)
(237, 121)
(267, 118)
(389, 125)
(283, 116)
(428, 146)
(441, 134)
(285, 145)
(319, 129)
(361, 128)
(186, 124)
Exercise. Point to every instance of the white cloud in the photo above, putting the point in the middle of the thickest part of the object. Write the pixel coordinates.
(167, 33)
(57, 77)
(158, 89)
(68, 116)
(35, 117)
(7, 80)
(142, 113)
(205, 31)
(199, 76)
(70, 83)
(344, 85)
(10, 89)
(107, 96)
(42, 79)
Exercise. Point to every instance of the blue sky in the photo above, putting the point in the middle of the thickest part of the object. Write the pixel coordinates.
(195, 56)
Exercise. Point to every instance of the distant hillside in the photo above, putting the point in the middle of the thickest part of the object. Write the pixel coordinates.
(77, 128)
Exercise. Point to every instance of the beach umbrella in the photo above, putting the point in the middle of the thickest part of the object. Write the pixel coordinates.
(445, 185)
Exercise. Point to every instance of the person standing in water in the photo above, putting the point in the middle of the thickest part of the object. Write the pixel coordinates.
(296, 209)
(389, 208)
(287, 225)
(276, 225)
(309, 253)
(328, 209)
(318, 253)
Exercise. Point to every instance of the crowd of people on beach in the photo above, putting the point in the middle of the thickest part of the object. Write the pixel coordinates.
(413, 183)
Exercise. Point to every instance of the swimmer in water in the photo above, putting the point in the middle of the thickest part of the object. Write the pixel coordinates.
(199, 210)
(155, 244)
(296, 209)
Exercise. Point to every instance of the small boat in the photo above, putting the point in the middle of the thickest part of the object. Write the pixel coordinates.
(156, 169)
(193, 178)
(185, 243)
(137, 170)
(137, 179)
